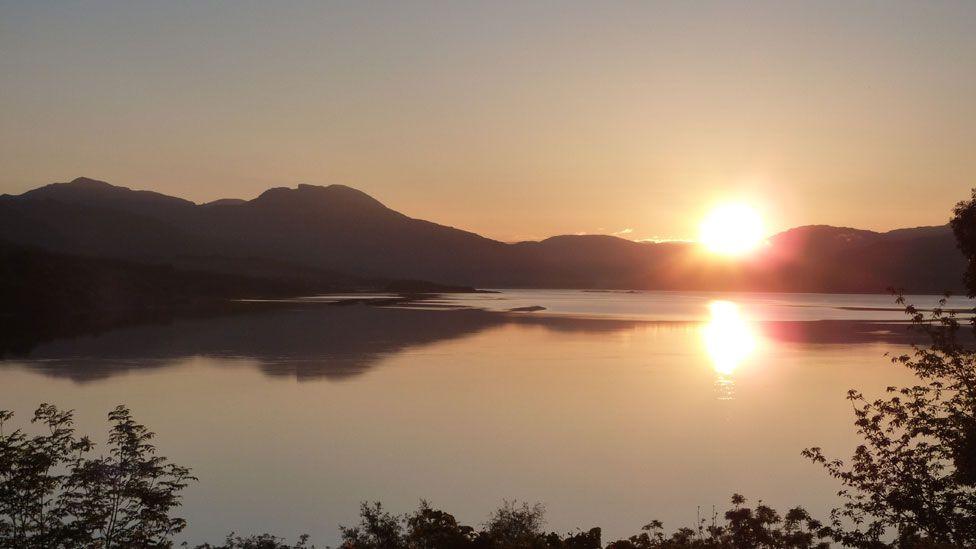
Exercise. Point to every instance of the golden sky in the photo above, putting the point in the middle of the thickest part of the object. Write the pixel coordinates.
(516, 120)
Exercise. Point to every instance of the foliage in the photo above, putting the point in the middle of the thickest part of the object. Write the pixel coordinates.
(377, 529)
(513, 525)
(520, 526)
(963, 225)
(262, 541)
(744, 527)
(429, 528)
(52, 495)
(914, 475)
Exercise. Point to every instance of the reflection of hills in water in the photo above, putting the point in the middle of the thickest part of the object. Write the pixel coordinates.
(322, 341)
(309, 342)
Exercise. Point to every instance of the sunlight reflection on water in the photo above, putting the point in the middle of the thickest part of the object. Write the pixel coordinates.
(728, 340)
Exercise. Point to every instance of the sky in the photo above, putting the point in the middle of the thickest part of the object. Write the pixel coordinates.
(516, 120)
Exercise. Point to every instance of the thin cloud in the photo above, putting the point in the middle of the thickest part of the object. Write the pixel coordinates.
(661, 239)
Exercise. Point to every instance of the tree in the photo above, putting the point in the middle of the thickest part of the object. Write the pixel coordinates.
(53, 495)
(744, 527)
(377, 529)
(915, 471)
(429, 528)
(261, 541)
(963, 225)
(511, 526)
(590, 539)
(516, 526)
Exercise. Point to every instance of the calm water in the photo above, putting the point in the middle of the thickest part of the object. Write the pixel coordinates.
(611, 408)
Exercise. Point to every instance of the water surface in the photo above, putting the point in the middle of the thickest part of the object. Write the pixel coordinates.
(613, 410)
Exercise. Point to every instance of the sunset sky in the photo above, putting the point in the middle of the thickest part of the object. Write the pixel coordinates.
(516, 120)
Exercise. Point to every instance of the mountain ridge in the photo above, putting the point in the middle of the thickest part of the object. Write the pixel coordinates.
(343, 229)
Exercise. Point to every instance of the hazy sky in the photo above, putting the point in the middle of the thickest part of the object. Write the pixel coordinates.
(516, 120)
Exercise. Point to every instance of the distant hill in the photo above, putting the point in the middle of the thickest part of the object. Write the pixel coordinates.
(338, 229)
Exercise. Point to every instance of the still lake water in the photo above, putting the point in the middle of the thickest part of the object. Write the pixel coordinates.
(611, 408)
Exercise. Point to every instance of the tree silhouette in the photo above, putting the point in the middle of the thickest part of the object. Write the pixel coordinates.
(963, 225)
(915, 471)
(53, 495)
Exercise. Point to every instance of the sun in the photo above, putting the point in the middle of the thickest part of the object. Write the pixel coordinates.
(732, 229)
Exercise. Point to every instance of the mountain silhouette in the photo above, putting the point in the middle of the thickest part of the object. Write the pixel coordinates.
(287, 231)
(92, 192)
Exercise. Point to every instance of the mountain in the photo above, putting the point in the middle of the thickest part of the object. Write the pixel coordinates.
(831, 259)
(338, 229)
(84, 190)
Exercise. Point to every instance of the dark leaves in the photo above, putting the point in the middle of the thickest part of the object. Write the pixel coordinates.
(53, 495)
(914, 474)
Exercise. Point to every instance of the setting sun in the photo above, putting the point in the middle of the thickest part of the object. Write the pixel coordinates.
(732, 229)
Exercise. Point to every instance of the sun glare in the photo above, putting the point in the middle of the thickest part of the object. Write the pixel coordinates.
(728, 337)
(732, 229)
